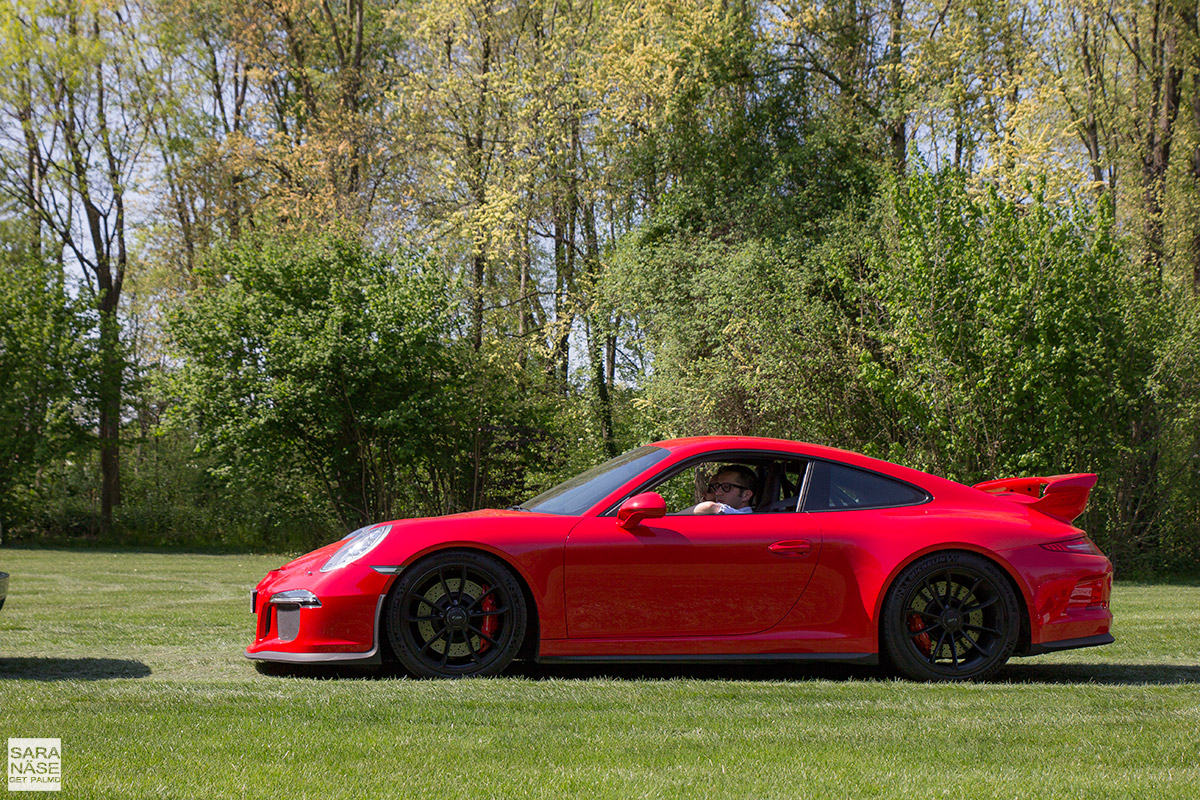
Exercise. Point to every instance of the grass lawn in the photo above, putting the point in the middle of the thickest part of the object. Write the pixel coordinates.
(135, 661)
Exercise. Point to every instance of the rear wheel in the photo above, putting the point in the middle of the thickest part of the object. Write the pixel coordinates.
(456, 614)
(950, 616)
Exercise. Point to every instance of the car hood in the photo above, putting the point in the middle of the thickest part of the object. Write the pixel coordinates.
(401, 529)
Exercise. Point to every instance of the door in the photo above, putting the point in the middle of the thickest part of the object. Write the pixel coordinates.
(717, 575)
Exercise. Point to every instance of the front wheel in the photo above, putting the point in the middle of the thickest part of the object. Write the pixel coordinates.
(950, 617)
(456, 614)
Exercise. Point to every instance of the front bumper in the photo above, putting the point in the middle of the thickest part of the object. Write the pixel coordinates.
(307, 619)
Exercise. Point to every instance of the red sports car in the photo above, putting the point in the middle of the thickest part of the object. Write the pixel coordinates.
(840, 558)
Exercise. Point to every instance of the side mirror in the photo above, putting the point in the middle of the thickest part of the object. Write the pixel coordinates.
(647, 505)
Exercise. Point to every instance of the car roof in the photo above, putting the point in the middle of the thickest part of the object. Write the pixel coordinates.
(696, 445)
(692, 445)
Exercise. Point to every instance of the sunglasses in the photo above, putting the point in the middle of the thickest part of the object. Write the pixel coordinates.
(725, 486)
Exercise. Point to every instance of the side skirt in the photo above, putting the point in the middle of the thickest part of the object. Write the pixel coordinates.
(865, 659)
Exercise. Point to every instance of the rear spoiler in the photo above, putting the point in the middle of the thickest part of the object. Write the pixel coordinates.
(1060, 496)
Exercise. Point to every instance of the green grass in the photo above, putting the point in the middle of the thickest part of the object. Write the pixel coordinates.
(135, 661)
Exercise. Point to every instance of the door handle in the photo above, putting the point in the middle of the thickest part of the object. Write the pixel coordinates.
(791, 547)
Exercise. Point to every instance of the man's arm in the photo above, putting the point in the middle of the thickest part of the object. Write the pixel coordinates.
(711, 507)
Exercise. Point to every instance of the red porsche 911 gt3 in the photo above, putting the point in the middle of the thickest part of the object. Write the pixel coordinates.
(841, 558)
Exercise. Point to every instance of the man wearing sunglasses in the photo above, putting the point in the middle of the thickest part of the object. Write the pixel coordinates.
(730, 490)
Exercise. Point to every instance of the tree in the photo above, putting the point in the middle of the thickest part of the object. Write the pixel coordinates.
(316, 360)
(71, 90)
(313, 73)
(43, 362)
(1012, 338)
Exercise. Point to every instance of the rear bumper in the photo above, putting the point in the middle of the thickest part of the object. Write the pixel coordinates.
(1069, 603)
(1074, 625)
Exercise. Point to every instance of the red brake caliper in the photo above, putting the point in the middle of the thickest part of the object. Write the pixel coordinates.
(915, 625)
(489, 623)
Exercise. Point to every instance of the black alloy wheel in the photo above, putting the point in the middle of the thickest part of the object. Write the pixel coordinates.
(456, 614)
(950, 617)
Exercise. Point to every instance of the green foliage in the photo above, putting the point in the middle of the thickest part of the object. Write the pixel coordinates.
(176, 497)
(1014, 338)
(43, 360)
(1172, 543)
(725, 283)
(318, 364)
(1010, 336)
(766, 166)
(743, 339)
(741, 286)
(516, 434)
(966, 333)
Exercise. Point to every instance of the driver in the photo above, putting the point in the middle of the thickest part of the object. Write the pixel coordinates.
(731, 491)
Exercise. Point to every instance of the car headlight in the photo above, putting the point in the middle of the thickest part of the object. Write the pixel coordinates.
(357, 545)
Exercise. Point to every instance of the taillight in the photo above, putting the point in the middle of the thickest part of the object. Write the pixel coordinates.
(1082, 545)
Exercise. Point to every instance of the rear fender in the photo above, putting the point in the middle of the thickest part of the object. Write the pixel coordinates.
(1018, 585)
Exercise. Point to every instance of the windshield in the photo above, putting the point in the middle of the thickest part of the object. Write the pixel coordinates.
(573, 497)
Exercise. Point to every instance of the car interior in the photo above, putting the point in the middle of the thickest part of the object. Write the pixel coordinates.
(777, 486)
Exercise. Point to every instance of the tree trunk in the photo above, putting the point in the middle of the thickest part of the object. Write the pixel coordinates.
(1193, 25)
(1165, 87)
(111, 380)
(897, 123)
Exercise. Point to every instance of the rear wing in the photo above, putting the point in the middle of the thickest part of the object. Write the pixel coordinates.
(1060, 496)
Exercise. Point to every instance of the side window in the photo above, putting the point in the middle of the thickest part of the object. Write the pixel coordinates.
(685, 489)
(836, 486)
(775, 484)
(782, 484)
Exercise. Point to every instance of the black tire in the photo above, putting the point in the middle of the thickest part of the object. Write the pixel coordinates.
(950, 616)
(456, 614)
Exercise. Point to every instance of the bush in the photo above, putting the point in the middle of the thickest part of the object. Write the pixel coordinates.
(323, 368)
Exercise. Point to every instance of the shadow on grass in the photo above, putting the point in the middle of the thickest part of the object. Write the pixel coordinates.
(70, 669)
(1101, 674)
(323, 672)
(1014, 673)
(775, 671)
